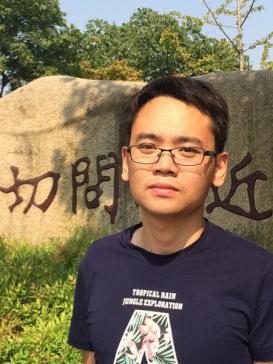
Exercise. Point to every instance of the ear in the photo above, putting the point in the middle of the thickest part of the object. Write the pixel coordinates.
(220, 169)
(125, 159)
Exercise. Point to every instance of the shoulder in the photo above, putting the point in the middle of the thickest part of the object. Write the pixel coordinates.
(106, 249)
(242, 250)
(236, 242)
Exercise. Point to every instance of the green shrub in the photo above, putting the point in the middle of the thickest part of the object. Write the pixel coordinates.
(36, 298)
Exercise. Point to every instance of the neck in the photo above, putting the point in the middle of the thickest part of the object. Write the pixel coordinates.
(169, 234)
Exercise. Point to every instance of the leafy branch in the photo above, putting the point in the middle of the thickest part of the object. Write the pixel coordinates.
(237, 42)
(220, 25)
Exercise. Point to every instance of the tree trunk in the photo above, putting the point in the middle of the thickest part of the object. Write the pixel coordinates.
(240, 36)
(4, 82)
(2, 88)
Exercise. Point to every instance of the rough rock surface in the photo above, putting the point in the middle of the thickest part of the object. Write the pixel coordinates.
(60, 145)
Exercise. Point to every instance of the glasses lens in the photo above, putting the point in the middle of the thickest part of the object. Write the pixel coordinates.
(188, 156)
(148, 154)
(144, 153)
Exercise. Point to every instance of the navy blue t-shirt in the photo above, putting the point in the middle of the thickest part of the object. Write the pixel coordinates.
(210, 303)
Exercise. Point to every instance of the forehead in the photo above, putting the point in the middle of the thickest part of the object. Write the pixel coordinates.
(171, 119)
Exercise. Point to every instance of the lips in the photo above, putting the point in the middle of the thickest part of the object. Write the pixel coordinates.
(163, 186)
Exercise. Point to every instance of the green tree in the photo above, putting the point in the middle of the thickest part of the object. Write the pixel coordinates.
(207, 54)
(158, 44)
(35, 41)
(164, 44)
(155, 43)
(104, 42)
(240, 10)
(118, 70)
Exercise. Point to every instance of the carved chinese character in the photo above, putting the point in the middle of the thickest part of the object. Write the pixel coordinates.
(80, 177)
(33, 182)
(250, 181)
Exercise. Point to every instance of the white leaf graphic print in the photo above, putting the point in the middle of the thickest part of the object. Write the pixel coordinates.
(147, 333)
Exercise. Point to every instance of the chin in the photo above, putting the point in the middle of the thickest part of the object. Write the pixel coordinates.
(166, 210)
(163, 211)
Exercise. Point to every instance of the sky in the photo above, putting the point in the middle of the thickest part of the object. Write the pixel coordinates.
(257, 26)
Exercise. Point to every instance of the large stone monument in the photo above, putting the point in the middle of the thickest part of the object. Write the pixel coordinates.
(60, 169)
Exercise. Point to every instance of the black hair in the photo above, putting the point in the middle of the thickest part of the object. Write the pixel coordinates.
(191, 91)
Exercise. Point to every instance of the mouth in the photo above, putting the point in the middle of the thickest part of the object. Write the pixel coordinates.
(164, 186)
(163, 189)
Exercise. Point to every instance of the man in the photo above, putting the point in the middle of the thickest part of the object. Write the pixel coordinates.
(174, 288)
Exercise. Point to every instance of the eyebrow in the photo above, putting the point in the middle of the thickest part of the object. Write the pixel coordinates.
(157, 138)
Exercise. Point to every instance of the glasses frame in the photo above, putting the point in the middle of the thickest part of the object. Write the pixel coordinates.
(205, 153)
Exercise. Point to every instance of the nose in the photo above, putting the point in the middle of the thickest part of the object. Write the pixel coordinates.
(166, 163)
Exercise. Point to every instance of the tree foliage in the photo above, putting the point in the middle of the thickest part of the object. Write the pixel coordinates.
(35, 41)
(159, 44)
(117, 70)
(265, 64)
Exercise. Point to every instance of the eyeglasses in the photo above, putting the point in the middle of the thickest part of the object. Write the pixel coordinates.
(184, 156)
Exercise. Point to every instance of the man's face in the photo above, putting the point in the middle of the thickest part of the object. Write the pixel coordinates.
(165, 188)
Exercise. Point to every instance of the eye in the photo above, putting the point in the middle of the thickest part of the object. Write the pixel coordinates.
(146, 148)
(189, 151)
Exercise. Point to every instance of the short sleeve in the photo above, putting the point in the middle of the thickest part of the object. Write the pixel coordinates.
(78, 334)
(261, 333)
